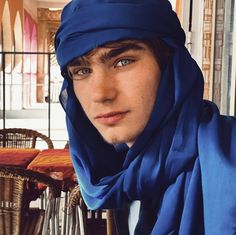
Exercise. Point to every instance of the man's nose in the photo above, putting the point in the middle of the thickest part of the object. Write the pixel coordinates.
(103, 87)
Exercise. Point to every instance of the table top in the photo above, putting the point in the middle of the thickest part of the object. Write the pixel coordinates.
(17, 157)
(55, 163)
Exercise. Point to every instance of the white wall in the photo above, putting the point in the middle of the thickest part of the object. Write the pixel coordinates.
(173, 3)
(197, 31)
(52, 4)
(32, 5)
(194, 38)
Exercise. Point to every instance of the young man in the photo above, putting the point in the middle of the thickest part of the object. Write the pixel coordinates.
(139, 129)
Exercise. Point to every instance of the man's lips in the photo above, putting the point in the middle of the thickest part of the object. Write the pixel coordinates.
(110, 118)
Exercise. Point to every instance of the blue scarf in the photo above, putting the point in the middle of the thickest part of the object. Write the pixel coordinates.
(185, 159)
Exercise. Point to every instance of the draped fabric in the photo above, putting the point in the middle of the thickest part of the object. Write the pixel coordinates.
(56, 163)
(17, 157)
(185, 159)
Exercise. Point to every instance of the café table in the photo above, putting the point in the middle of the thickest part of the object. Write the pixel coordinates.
(57, 164)
(17, 157)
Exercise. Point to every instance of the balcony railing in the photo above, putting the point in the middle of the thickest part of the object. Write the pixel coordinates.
(29, 90)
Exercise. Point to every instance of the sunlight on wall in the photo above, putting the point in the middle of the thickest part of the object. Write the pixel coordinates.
(18, 42)
(7, 35)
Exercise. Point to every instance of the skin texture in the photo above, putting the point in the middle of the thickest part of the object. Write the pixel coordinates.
(117, 87)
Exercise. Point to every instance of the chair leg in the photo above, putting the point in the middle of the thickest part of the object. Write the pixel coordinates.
(57, 211)
(110, 223)
(72, 218)
(65, 217)
(52, 221)
(81, 221)
(42, 201)
(77, 223)
(69, 218)
(48, 213)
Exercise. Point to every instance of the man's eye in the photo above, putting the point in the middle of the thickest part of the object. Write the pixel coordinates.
(124, 62)
(79, 73)
(83, 71)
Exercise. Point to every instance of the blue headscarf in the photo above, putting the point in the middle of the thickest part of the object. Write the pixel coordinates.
(185, 159)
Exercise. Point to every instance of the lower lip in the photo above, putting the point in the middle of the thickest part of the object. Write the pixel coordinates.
(111, 120)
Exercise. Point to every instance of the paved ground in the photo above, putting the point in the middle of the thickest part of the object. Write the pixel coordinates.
(37, 119)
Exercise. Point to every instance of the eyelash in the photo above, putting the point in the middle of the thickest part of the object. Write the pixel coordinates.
(130, 61)
(75, 74)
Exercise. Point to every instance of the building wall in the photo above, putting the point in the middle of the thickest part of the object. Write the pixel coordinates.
(228, 70)
(14, 6)
(20, 70)
(208, 34)
(31, 7)
(218, 55)
(198, 24)
(219, 47)
(48, 22)
(211, 43)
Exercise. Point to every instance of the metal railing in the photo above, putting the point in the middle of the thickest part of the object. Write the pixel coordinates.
(52, 87)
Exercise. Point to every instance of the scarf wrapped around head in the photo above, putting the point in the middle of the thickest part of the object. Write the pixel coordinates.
(169, 162)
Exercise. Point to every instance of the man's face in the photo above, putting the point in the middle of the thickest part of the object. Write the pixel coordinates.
(117, 87)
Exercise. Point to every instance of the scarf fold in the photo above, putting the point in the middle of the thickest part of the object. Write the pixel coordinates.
(179, 152)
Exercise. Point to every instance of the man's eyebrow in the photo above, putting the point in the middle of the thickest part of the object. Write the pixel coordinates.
(121, 49)
(78, 62)
(84, 60)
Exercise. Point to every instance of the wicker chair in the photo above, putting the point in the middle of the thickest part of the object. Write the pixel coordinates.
(22, 138)
(99, 222)
(66, 145)
(16, 217)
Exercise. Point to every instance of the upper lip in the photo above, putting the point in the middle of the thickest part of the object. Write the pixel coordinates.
(109, 114)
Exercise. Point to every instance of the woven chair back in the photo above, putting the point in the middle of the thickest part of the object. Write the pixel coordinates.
(16, 217)
(11, 209)
(99, 222)
(22, 138)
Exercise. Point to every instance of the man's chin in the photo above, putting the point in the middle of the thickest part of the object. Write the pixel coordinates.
(113, 141)
(117, 140)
